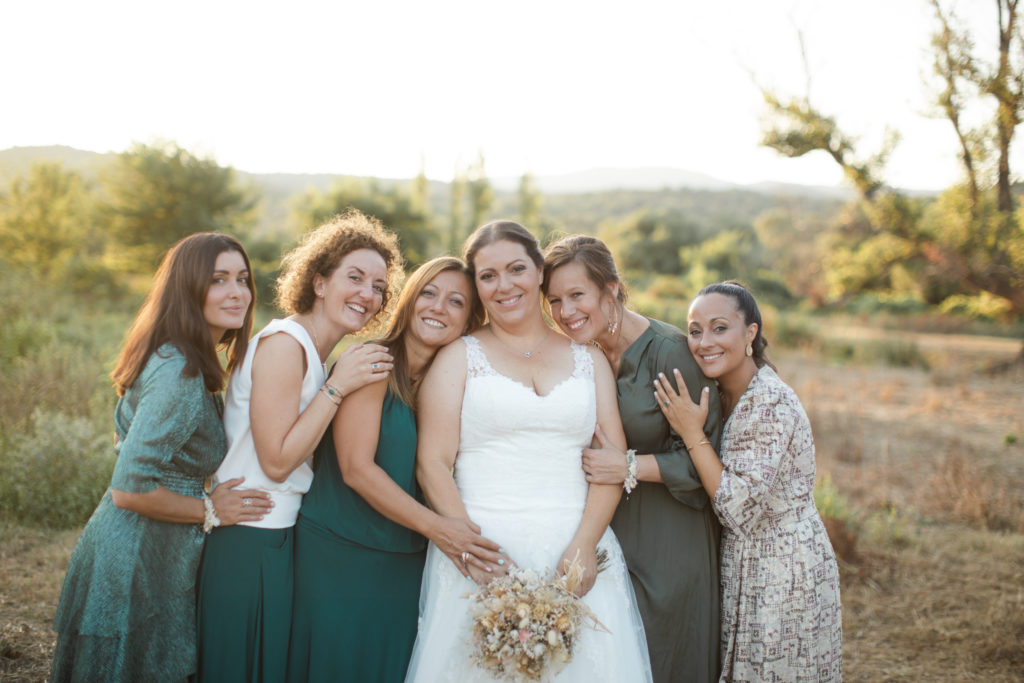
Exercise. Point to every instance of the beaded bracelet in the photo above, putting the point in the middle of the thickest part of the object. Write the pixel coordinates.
(333, 393)
(211, 519)
(629, 483)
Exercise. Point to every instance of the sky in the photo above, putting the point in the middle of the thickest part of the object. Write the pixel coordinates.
(385, 88)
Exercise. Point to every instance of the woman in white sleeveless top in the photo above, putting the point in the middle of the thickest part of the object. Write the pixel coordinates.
(503, 417)
(279, 403)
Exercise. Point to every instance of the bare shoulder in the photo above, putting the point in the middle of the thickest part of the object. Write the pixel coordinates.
(279, 345)
(451, 356)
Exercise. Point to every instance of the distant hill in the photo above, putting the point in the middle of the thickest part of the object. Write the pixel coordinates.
(17, 160)
(601, 179)
(576, 201)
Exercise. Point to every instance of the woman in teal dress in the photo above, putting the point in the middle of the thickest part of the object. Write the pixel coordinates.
(666, 525)
(360, 540)
(278, 404)
(127, 610)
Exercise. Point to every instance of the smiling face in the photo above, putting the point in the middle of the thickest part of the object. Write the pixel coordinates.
(442, 309)
(229, 296)
(718, 335)
(508, 281)
(353, 293)
(579, 306)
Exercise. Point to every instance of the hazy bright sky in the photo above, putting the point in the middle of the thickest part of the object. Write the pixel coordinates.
(371, 87)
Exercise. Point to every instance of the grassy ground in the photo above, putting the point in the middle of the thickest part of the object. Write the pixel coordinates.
(926, 468)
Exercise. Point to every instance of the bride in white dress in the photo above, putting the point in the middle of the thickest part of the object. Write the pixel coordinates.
(510, 408)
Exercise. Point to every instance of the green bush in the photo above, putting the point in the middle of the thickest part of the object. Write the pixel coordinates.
(898, 354)
(55, 472)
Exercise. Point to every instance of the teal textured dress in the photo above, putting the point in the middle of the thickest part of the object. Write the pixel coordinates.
(668, 531)
(357, 573)
(128, 608)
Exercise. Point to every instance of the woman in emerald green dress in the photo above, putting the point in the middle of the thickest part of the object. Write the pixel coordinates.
(279, 402)
(666, 524)
(360, 540)
(127, 610)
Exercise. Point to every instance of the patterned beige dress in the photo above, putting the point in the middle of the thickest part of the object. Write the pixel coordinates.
(781, 616)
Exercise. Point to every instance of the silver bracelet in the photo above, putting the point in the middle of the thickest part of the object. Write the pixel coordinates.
(629, 483)
(211, 520)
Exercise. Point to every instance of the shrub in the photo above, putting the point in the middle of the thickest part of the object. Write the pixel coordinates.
(838, 517)
(54, 473)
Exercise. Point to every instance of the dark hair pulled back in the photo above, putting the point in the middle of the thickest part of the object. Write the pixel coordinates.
(747, 306)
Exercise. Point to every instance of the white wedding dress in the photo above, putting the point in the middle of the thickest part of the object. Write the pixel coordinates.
(519, 473)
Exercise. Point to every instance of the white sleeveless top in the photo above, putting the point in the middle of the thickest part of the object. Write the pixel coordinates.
(241, 460)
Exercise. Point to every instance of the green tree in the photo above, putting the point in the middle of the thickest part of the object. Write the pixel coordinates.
(48, 227)
(652, 241)
(455, 226)
(157, 194)
(970, 241)
(481, 196)
(529, 201)
(394, 207)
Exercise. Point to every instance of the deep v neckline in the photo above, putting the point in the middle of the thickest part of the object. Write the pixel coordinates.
(493, 371)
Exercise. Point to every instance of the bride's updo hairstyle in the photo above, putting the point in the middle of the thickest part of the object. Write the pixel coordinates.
(589, 252)
(497, 231)
(747, 307)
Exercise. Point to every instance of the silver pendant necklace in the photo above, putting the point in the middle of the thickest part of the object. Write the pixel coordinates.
(524, 354)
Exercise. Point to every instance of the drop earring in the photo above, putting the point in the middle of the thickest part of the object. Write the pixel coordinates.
(613, 323)
(750, 350)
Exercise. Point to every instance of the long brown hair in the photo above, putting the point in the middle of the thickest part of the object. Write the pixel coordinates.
(173, 314)
(400, 383)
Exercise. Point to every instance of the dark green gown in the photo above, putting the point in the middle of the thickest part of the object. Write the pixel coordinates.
(669, 532)
(357, 573)
(127, 610)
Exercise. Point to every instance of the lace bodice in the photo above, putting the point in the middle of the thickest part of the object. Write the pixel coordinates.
(519, 473)
(516, 445)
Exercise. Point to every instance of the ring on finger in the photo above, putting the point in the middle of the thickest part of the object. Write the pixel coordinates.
(465, 557)
(373, 366)
(665, 404)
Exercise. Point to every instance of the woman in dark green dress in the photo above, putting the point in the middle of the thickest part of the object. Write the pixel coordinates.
(665, 524)
(127, 610)
(360, 538)
(278, 405)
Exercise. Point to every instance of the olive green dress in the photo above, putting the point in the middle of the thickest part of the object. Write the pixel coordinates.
(357, 573)
(128, 608)
(668, 531)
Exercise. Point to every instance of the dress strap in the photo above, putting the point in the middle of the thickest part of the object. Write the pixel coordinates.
(582, 361)
(477, 364)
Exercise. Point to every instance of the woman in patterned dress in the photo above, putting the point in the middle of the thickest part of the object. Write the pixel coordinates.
(781, 617)
(127, 610)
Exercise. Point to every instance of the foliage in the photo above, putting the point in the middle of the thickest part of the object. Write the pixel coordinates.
(155, 195)
(969, 241)
(480, 193)
(54, 473)
(49, 228)
(530, 202)
(651, 241)
(394, 207)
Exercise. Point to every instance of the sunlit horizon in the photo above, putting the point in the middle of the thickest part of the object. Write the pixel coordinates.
(385, 89)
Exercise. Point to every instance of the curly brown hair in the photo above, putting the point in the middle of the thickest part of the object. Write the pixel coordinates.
(320, 252)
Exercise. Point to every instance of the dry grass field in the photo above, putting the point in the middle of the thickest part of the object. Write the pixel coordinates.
(923, 488)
